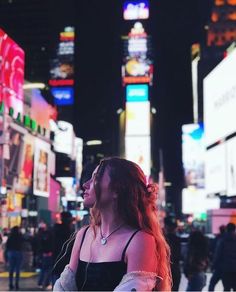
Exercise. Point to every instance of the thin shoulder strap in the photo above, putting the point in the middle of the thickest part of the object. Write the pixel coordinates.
(85, 231)
(127, 244)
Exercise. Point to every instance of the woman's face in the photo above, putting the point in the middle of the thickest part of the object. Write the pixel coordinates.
(90, 195)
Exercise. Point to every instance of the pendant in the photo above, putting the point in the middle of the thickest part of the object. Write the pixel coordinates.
(103, 240)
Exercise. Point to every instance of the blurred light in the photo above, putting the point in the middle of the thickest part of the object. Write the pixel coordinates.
(167, 184)
(153, 110)
(93, 142)
(119, 111)
(34, 85)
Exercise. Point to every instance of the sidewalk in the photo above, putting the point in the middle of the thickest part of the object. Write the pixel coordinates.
(28, 282)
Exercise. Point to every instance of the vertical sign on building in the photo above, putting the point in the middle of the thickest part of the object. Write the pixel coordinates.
(62, 69)
(137, 74)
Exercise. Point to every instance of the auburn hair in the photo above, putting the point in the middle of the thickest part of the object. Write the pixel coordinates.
(136, 206)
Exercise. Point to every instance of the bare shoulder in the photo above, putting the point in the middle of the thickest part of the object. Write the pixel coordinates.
(80, 234)
(142, 240)
(141, 253)
(76, 247)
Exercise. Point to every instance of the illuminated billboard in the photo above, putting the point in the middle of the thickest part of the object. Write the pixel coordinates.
(63, 95)
(137, 92)
(62, 69)
(64, 138)
(231, 166)
(193, 153)
(138, 9)
(11, 72)
(137, 149)
(191, 198)
(41, 168)
(220, 100)
(24, 181)
(137, 118)
(216, 169)
(137, 64)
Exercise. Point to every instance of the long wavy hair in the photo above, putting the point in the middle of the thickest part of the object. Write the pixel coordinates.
(136, 206)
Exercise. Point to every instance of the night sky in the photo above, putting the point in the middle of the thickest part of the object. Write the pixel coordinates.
(173, 25)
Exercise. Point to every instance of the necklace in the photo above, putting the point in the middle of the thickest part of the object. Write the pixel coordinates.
(104, 238)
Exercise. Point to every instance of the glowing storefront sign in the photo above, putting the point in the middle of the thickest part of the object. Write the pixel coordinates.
(136, 10)
(137, 92)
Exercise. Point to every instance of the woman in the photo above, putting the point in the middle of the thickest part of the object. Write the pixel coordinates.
(123, 248)
(196, 261)
(14, 246)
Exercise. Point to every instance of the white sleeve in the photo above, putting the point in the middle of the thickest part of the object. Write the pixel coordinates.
(66, 282)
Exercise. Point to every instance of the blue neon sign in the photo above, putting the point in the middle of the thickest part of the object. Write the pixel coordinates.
(137, 92)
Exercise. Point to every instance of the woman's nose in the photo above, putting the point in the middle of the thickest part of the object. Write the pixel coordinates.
(86, 185)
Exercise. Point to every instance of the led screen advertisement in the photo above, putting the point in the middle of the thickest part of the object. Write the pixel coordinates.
(137, 118)
(216, 169)
(193, 155)
(138, 9)
(11, 72)
(196, 201)
(63, 95)
(220, 100)
(25, 178)
(231, 166)
(13, 152)
(137, 92)
(41, 168)
(62, 69)
(137, 64)
(137, 149)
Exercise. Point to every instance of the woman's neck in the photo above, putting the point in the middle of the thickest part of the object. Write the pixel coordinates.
(110, 221)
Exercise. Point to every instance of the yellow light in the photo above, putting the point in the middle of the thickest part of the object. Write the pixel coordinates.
(34, 85)
(93, 142)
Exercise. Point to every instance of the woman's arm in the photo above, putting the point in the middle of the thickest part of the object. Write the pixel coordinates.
(141, 253)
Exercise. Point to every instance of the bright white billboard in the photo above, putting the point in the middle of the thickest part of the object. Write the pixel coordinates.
(219, 88)
(137, 118)
(138, 150)
(195, 201)
(216, 169)
(41, 168)
(64, 138)
(193, 149)
(231, 166)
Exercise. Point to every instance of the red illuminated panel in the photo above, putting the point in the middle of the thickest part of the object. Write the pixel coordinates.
(141, 79)
(11, 70)
(62, 82)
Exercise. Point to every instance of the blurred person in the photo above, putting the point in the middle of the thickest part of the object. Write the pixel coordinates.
(216, 266)
(61, 233)
(45, 248)
(225, 256)
(196, 261)
(123, 248)
(173, 240)
(14, 247)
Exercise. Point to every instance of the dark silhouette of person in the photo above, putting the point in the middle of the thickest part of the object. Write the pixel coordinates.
(61, 233)
(216, 266)
(175, 248)
(45, 249)
(14, 247)
(225, 256)
(196, 261)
